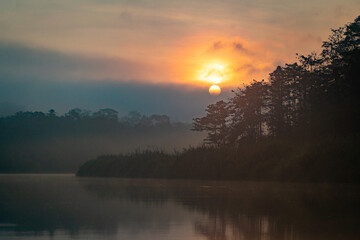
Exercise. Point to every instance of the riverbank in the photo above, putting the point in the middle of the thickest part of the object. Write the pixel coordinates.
(326, 160)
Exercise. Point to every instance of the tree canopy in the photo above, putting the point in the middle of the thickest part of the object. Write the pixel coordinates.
(316, 96)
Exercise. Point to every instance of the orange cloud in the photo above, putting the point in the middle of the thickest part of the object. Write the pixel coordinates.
(241, 59)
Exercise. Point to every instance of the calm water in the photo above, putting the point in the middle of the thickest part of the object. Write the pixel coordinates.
(66, 207)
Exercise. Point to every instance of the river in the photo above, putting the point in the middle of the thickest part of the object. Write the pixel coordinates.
(62, 206)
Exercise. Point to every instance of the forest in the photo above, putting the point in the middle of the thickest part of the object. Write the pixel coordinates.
(48, 142)
(301, 124)
(318, 97)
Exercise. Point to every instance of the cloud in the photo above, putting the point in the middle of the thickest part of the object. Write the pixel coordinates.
(249, 68)
(239, 47)
(18, 61)
(217, 46)
(228, 45)
(38, 79)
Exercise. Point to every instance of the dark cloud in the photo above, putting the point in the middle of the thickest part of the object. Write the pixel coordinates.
(240, 47)
(237, 46)
(217, 45)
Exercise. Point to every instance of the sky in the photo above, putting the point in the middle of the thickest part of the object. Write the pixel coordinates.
(151, 56)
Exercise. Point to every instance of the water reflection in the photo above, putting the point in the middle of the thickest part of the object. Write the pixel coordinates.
(67, 207)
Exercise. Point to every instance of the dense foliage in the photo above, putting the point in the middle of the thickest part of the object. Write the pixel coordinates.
(316, 97)
(328, 161)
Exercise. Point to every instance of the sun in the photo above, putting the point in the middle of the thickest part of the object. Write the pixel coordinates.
(213, 73)
(214, 90)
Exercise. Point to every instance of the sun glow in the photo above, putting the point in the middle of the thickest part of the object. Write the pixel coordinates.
(211, 59)
(213, 73)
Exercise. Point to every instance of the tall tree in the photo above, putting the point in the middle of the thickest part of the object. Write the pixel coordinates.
(249, 109)
(215, 123)
(277, 95)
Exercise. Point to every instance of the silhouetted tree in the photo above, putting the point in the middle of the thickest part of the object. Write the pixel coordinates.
(74, 114)
(133, 118)
(215, 123)
(248, 110)
(106, 113)
(318, 96)
(51, 113)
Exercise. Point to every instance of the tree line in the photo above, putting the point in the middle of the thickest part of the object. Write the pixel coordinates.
(317, 96)
(300, 125)
(50, 142)
(76, 121)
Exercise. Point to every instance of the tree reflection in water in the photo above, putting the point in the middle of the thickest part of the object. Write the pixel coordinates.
(38, 204)
(254, 210)
(243, 228)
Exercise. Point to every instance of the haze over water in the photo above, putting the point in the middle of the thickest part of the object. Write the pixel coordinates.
(65, 207)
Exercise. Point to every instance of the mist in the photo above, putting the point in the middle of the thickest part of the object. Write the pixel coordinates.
(39, 142)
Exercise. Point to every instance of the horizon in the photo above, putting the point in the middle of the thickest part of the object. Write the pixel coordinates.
(151, 57)
(194, 119)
